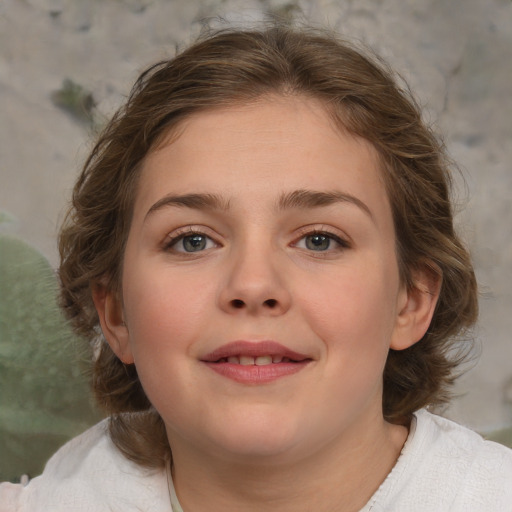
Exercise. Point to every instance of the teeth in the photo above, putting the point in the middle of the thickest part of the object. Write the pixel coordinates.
(263, 360)
(258, 361)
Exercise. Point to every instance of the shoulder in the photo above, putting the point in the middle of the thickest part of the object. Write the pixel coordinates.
(89, 474)
(480, 471)
(447, 467)
(452, 440)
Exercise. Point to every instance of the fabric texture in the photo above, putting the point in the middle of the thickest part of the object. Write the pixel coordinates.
(89, 474)
(443, 467)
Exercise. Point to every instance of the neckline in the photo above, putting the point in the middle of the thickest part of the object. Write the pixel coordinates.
(175, 504)
(373, 502)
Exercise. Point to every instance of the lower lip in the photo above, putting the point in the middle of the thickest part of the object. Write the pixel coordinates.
(254, 374)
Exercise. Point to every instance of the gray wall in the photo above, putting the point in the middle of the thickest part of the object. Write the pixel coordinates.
(456, 54)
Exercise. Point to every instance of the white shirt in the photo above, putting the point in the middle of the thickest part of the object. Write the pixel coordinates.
(443, 467)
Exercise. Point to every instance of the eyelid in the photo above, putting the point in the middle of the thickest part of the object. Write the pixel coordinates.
(336, 234)
(178, 234)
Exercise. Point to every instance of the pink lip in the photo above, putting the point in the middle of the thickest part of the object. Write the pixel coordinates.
(253, 374)
(253, 349)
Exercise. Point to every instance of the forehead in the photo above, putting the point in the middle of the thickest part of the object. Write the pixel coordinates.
(272, 145)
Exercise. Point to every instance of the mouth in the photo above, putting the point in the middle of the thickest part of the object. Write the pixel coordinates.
(255, 362)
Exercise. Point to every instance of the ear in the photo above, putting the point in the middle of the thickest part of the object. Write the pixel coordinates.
(110, 311)
(416, 306)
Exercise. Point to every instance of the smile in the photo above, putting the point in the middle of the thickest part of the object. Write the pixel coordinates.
(255, 362)
(258, 361)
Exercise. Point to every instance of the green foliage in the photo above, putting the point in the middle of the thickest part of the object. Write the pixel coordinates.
(76, 100)
(5, 217)
(44, 398)
(502, 436)
(285, 12)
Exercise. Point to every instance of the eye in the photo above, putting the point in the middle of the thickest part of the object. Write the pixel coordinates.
(193, 242)
(321, 242)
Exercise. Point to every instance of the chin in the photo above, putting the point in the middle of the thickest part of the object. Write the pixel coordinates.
(259, 439)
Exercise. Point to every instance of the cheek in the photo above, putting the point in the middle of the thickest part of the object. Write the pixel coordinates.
(164, 310)
(354, 315)
(354, 307)
(165, 318)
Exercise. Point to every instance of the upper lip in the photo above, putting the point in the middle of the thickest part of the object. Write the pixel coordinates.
(253, 349)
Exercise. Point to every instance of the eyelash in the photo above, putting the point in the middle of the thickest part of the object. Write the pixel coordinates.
(171, 241)
(342, 243)
(191, 232)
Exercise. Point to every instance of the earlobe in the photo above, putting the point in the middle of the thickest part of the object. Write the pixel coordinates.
(111, 316)
(416, 307)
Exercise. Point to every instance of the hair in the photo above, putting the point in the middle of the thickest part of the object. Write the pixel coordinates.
(240, 66)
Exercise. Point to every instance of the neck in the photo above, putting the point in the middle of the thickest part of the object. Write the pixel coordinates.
(341, 476)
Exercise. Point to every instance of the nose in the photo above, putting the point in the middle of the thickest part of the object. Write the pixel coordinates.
(255, 284)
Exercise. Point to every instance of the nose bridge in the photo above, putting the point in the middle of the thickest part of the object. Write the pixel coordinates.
(255, 281)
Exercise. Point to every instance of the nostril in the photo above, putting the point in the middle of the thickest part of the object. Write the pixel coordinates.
(271, 303)
(237, 303)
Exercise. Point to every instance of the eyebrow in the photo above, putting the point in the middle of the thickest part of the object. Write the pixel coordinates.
(195, 201)
(297, 199)
(317, 199)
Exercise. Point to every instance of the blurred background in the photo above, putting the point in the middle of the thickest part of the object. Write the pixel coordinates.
(65, 65)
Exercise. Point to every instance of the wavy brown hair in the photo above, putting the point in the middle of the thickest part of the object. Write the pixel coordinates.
(362, 96)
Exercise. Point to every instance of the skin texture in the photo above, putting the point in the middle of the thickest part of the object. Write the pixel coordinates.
(312, 440)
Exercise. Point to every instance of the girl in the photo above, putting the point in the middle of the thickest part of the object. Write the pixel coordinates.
(264, 235)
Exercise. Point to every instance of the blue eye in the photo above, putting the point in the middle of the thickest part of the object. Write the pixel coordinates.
(321, 242)
(194, 242)
(318, 242)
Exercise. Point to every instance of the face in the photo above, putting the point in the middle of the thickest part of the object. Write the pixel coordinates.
(260, 287)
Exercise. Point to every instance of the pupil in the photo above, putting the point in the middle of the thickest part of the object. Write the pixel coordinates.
(318, 242)
(194, 243)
